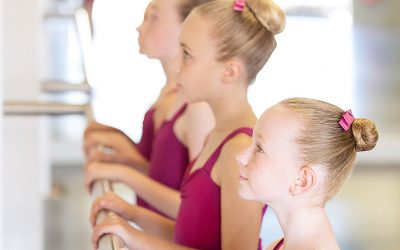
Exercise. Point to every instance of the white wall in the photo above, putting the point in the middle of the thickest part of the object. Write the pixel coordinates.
(24, 161)
(1, 123)
(126, 83)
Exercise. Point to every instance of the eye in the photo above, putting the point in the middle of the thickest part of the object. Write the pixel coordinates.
(154, 17)
(259, 149)
(185, 55)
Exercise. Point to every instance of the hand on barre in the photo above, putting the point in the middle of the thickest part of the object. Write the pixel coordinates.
(114, 203)
(116, 225)
(111, 145)
(103, 171)
(97, 126)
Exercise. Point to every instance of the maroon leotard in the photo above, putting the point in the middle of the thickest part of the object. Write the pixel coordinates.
(146, 142)
(278, 246)
(198, 224)
(169, 157)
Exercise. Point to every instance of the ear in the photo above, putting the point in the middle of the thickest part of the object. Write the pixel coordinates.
(231, 70)
(306, 180)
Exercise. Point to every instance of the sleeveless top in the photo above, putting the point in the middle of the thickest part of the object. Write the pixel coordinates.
(278, 246)
(148, 132)
(198, 224)
(146, 142)
(169, 157)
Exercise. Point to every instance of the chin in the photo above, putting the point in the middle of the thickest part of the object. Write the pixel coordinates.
(150, 56)
(187, 98)
(245, 193)
(142, 50)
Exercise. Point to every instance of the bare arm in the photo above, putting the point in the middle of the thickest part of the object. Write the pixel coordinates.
(96, 126)
(160, 196)
(241, 219)
(132, 238)
(124, 150)
(151, 222)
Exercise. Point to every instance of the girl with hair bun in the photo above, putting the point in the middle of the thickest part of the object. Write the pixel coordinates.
(302, 152)
(173, 131)
(224, 44)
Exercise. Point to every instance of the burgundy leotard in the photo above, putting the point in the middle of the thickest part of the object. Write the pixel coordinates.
(198, 224)
(278, 246)
(169, 157)
(146, 142)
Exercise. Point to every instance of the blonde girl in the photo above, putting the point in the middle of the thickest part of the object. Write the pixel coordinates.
(173, 132)
(302, 152)
(224, 44)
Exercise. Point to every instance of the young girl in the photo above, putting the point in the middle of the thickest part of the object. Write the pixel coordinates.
(173, 132)
(224, 45)
(302, 152)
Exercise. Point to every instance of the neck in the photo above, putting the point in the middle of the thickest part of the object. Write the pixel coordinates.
(169, 73)
(306, 228)
(232, 110)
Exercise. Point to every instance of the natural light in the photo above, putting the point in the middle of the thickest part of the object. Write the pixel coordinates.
(313, 59)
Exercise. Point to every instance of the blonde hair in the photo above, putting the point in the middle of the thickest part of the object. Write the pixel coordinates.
(322, 141)
(186, 6)
(248, 35)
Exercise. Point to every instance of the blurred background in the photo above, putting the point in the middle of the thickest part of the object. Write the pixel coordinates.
(346, 52)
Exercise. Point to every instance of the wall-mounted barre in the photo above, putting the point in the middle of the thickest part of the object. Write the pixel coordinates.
(54, 86)
(35, 108)
(108, 241)
(42, 108)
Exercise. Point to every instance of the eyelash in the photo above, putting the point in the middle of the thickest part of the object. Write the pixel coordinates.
(259, 149)
(186, 55)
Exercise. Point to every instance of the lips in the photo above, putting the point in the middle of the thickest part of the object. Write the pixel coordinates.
(243, 178)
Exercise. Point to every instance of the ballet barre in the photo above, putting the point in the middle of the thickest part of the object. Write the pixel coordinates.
(36, 108)
(55, 86)
(108, 241)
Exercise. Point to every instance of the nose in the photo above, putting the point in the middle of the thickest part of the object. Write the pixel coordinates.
(139, 27)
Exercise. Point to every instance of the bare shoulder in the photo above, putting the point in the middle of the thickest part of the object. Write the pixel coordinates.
(238, 143)
(198, 117)
(232, 148)
(199, 109)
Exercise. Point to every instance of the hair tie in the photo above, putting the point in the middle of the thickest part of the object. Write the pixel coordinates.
(346, 120)
(239, 5)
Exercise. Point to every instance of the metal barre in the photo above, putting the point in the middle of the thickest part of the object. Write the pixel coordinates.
(108, 241)
(55, 86)
(18, 108)
(42, 108)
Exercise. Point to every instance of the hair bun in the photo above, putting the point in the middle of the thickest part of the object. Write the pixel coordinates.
(365, 134)
(269, 14)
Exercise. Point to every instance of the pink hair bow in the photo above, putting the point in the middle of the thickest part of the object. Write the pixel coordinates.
(347, 120)
(239, 5)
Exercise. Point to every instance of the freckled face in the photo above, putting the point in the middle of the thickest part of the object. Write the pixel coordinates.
(267, 167)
